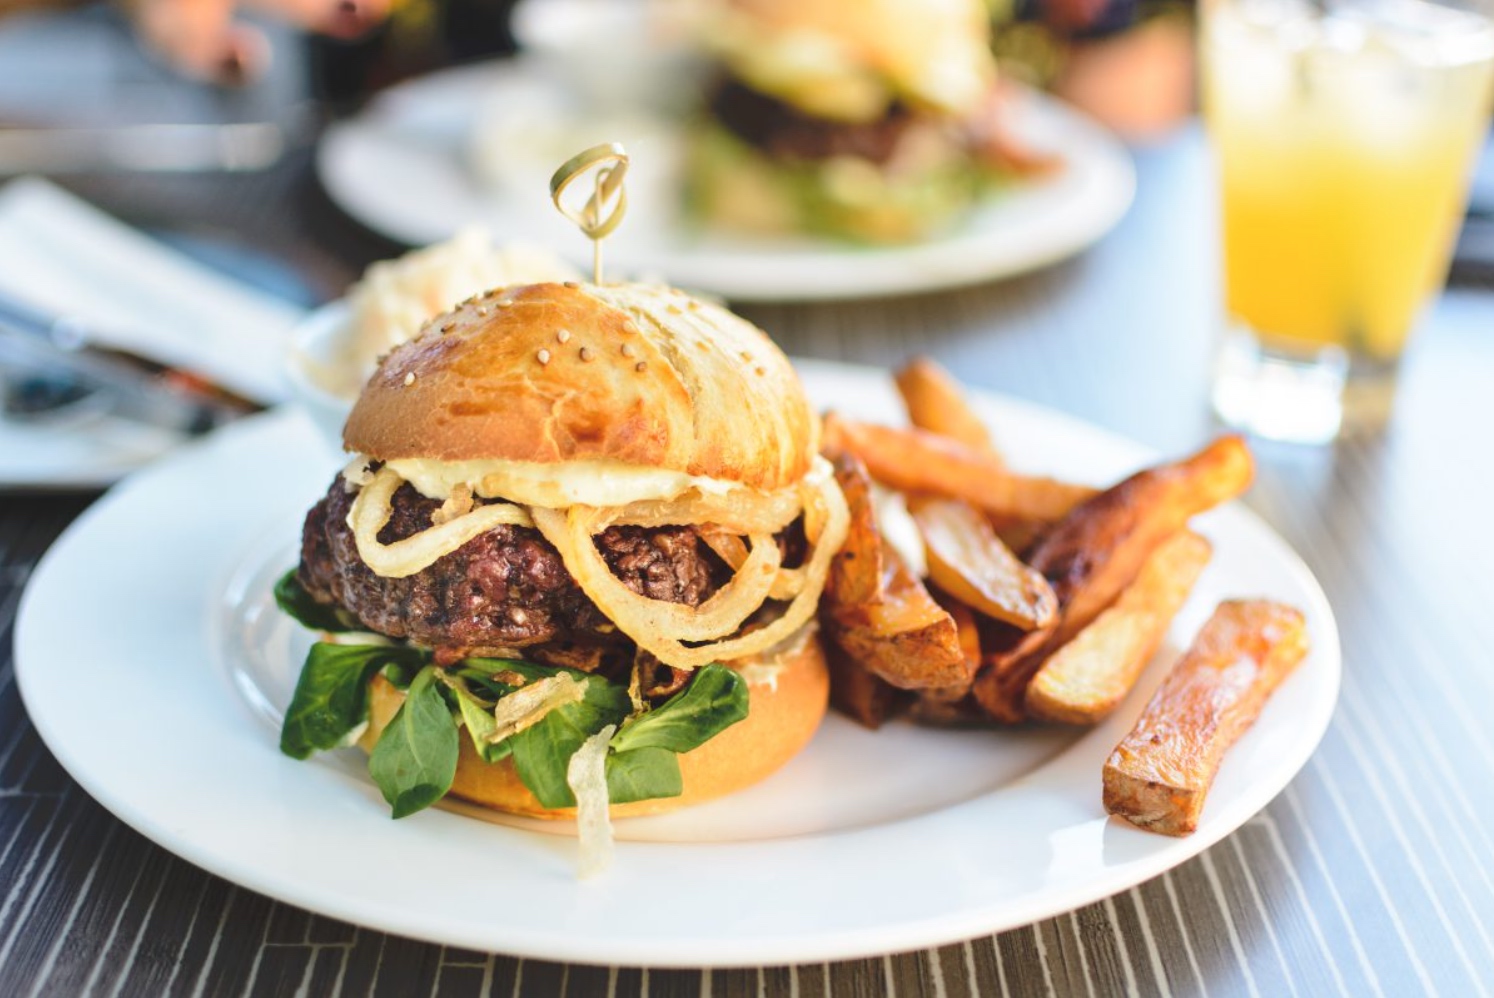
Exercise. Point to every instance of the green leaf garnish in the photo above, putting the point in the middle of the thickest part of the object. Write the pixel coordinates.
(331, 698)
(416, 757)
(542, 751)
(715, 700)
(643, 774)
(478, 719)
(296, 602)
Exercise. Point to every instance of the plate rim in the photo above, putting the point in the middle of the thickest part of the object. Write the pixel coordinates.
(903, 270)
(753, 949)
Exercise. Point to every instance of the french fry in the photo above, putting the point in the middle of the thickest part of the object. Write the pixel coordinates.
(855, 692)
(1095, 552)
(936, 403)
(929, 707)
(965, 627)
(967, 560)
(1086, 679)
(1159, 775)
(856, 571)
(919, 462)
(903, 636)
(1019, 535)
(877, 611)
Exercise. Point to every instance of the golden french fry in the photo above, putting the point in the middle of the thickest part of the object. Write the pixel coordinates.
(919, 462)
(857, 693)
(1159, 775)
(967, 560)
(856, 572)
(877, 611)
(1086, 679)
(1019, 535)
(964, 626)
(936, 403)
(1095, 552)
(903, 636)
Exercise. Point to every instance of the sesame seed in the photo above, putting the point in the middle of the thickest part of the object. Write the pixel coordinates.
(627, 350)
(482, 310)
(629, 327)
(410, 378)
(586, 353)
(572, 285)
(563, 335)
(673, 309)
(506, 303)
(543, 356)
(447, 327)
(642, 365)
(761, 371)
(747, 356)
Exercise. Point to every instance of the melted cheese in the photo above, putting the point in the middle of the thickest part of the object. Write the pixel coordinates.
(554, 486)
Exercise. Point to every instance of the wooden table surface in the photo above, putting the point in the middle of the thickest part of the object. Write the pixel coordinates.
(1373, 873)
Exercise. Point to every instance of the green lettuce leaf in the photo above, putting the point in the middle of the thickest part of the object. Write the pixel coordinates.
(416, 757)
(643, 774)
(715, 700)
(480, 725)
(331, 698)
(296, 602)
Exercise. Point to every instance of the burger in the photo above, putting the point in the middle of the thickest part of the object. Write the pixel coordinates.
(865, 119)
(574, 561)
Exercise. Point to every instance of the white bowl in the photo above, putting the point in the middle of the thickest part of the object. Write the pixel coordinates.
(314, 341)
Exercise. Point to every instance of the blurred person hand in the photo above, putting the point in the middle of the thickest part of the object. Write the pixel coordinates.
(204, 40)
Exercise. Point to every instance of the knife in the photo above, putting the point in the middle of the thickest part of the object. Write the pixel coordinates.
(60, 349)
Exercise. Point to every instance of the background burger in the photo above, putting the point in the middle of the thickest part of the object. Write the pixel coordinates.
(869, 119)
(580, 548)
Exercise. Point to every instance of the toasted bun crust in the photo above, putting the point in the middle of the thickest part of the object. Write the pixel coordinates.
(781, 718)
(551, 373)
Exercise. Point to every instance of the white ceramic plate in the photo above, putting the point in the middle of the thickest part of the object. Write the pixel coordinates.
(407, 167)
(92, 451)
(160, 699)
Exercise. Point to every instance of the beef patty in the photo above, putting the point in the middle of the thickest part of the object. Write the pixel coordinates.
(784, 132)
(506, 588)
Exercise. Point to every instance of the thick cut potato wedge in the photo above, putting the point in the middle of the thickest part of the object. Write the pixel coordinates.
(967, 560)
(1086, 679)
(855, 692)
(856, 572)
(877, 611)
(919, 462)
(1159, 775)
(936, 403)
(903, 636)
(1095, 551)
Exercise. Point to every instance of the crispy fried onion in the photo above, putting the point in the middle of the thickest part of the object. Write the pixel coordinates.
(371, 511)
(531, 704)
(741, 511)
(662, 628)
(733, 550)
(572, 531)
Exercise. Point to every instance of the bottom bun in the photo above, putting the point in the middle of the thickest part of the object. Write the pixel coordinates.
(788, 690)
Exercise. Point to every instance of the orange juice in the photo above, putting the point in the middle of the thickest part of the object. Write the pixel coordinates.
(1344, 142)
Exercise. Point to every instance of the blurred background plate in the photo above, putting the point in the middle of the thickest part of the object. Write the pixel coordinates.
(477, 144)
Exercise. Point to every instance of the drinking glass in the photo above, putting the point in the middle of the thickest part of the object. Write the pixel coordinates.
(1344, 134)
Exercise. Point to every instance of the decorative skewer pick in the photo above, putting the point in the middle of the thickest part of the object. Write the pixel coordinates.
(592, 217)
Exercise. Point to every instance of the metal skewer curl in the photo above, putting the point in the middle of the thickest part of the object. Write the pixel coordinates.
(592, 218)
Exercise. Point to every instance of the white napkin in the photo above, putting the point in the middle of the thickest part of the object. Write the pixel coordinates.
(63, 257)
